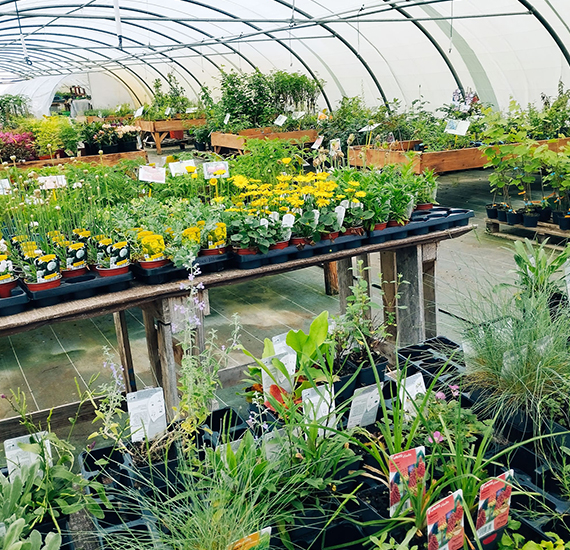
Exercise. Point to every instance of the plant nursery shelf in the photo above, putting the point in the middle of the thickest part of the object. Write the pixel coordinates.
(237, 141)
(438, 161)
(540, 233)
(161, 128)
(107, 160)
(412, 257)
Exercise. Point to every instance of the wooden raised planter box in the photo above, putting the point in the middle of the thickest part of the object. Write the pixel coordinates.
(160, 128)
(237, 141)
(111, 118)
(107, 160)
(355, 157)
(438, 161)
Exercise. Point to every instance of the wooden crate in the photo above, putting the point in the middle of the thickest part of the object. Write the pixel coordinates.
(107, 160)
(540, 233)
(438, 161)
(237, 142)
(173, 125)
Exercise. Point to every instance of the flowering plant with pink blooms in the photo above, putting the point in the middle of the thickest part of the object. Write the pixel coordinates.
(19, 145)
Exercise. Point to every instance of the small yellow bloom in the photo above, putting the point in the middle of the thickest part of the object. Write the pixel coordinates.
(286, 160)
(360, 194)
(323, 202)
(219, 172)
(194, 176)
(190, 169)
(213, 181)
(355, 201)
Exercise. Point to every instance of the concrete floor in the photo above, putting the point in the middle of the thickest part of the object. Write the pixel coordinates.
(45, 362)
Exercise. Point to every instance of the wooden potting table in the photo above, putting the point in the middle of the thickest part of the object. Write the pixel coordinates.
(413, 258)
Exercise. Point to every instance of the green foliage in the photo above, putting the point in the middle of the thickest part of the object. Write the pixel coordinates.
(11, 108)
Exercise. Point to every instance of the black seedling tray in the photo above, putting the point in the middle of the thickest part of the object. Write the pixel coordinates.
(278, 256)
(78, 288)
(388, 234)
(15, 304)
(167, 273)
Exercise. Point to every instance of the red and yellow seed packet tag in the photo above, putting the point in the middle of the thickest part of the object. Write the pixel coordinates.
(251, 541)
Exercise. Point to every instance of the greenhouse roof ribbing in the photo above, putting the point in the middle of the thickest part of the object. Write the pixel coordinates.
(379, 49)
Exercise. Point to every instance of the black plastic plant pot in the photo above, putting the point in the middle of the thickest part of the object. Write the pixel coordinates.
(564, 222)
(544, 214)
(48, 526)
(342, 391)
(136, 534)
(308, 525)
(114, 474)
(342, 535)
(155, 472)
(367, 375)
(491, 211)
(556, 215)
(530, 220)
(223, 426)
(501, 215)
(514, 218)
(123, 510)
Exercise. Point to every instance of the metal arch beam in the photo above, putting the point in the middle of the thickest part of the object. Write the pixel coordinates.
(96, 53)
(60, 25)
(548, 27)
(112, 73)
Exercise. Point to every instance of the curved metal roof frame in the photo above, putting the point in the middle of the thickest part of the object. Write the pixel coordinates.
(304, 14)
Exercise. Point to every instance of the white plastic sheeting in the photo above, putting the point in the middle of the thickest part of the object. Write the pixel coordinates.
(380, 49)
(106, 91)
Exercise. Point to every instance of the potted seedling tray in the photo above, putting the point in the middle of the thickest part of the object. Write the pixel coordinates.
(107, 465)
(16, 303)
(79, 288)
(388, 234)
(164, 274)
(223, 426)
(154, 470)
(277, 256)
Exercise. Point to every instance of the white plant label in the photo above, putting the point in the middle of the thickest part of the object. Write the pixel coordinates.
(191, 110)
(317, 216)
(298, 114)
(274, 216)
(280, 120)
(47, 183)
(210, 169)
(567, 275)
(364, 407)
(318, 406)
(271, 375)
(340, 212)
(179, 168)
(318, 143)
(413, 386)
(288, 220)
(168, 111)
(264, 222)
(16, 457)
(152, 174)
(273, 442)
(139, 112)
(5, 187)
(457, 127)
(227, 118)
(280, 344)
(147, 413)
(344, 203)
(369, 128)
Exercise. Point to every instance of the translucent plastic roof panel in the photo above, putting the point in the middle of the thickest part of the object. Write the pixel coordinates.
(380, 49)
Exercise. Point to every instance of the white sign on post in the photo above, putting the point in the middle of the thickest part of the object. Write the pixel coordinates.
(5, 187)
(147, 413)
(139, 112)
(369, 128)
(152, 174)
(179, 168)
(318, 405)
(288, 220)
(16, 457)
(364, 407)
(340, 212)
(298, 114)
(280, 120)
(457, 127)
(47, 183)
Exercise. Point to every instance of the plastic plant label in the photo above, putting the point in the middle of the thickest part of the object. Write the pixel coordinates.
(494, 504)
(457, 127)
(280, 120)
(147, 413)
(364, 406)
(334, 147)
(224, 448)
(191, 110)
(5, 187)
(273, 442)
(119, 254)
(318, 143)
(369, 128)
(288, 220)
(47, 268)
(227, 118)
(318, 406)
(48, 183)
(412, 387)
(280, 344)
(16, 456)
(272, 375)
(264, 222)
(152, 174)
(567, 275)
(6, 268)
(407, 476)
(75, 256)
(317, 216)
(251, 541)
(274, 216)
(445, 523)
(340, 212)
(296, 115)
(219, 169)
(139, 112)
(168, 111)
(179, 168)
(391, 138)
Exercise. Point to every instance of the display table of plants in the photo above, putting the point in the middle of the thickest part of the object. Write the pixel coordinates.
(335, 446)
(73, 230)
(237, 142)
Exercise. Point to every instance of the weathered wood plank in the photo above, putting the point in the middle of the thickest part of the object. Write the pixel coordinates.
(107, 160)
(151, 334)
(331, 278)
(125, 354)
(344, 268)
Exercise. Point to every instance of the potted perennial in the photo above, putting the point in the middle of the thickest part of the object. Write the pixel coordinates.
(111, 258)
(250, 235)
(127, 138)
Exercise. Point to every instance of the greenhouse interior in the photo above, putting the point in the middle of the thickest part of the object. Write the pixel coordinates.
(291, 264)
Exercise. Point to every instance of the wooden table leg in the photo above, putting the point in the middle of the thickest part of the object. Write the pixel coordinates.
(152, 345)
(331, 278)
(344, 268)
(125, 353)
(157, 142)
(429, 257)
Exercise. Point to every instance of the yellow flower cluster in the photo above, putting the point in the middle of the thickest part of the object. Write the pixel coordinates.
(153, 246)
(191, 235)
